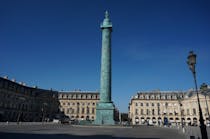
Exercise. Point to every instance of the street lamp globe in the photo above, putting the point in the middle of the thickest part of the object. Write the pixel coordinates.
(191, 61)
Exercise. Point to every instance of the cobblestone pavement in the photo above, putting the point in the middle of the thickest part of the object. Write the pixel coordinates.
(57, 131)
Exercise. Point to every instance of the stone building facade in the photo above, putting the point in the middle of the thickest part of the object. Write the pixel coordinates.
(81, 105)
(78, 105)
(19, 102)
(159, 107)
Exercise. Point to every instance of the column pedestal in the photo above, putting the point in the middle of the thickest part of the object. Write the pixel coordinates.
(104, 113)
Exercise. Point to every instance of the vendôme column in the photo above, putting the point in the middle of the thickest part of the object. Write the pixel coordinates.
(105, 107)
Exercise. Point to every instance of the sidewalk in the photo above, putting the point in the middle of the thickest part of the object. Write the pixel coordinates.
(27, 123)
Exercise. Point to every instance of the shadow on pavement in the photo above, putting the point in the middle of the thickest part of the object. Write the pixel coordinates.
(4, 135)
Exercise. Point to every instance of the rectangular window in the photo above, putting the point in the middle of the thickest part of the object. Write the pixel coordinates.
(182, 112)
(194, 111)
(88, 111)
(142, 112)
(93, 110)
(188, 112)
(83, 110)
(153, 112)
(158, 111)
(136, 112)
(77, 110)
(148, 112)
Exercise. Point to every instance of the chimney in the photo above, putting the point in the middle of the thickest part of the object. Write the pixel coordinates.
(13, 80)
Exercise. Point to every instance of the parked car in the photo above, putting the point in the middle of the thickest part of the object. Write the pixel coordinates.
(65, 121)
(74, 122)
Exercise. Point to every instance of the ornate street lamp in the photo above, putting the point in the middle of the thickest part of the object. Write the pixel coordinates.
(191, 63)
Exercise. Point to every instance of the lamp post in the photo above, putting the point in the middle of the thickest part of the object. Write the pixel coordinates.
(204, 89)
(191, 63)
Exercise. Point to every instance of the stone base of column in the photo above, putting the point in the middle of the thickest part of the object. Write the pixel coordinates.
(104, 114)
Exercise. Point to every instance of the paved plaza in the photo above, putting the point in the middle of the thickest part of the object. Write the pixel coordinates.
(57, 131)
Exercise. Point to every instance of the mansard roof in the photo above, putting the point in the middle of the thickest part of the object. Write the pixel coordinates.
(78, 95)
(171, 95)
(168, 95)
(21, 88)
(78, 92)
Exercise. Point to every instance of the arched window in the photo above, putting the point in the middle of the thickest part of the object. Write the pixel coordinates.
(93, 110)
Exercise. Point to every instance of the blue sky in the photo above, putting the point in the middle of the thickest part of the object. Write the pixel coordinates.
(57, 44)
